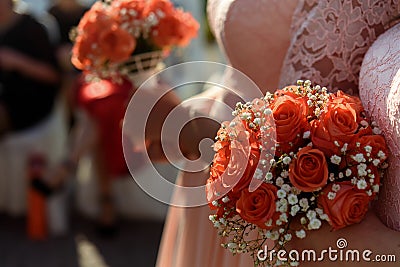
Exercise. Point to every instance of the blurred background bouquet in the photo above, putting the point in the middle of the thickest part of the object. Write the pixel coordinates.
(286, 163)
(127, 36)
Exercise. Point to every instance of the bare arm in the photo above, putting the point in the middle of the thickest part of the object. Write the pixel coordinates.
(12, 60)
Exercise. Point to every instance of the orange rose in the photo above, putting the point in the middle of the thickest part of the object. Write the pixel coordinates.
(376, 142)
(309, 171)
(116, 44)
(259, 206)
(82, 48)
(85, 49)
(188, 27)
(95, 18)
(174, 28)
(348, 207)
(232, 168)
(337, 123)
(290, 115)
(354, 102)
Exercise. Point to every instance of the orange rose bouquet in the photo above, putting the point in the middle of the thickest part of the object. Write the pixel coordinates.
(289, 161)
(112, 31)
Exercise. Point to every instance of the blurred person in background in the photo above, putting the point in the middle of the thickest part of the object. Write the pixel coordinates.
(67, 14)
(30, 123)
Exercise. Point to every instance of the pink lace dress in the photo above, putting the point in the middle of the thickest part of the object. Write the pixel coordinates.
(330, 39)
(380, 93)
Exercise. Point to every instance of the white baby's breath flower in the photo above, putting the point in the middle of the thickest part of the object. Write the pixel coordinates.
(283, 217)
(232, 245)
(368, 149)
(311, 214)
(294, 210)
(288, 237)
(369, 193)
(376, 162)
(335, 187)
(292, 199)
(319, 211)
(364, 123)
(306, 134)
(268, 176)
(245, 116)
(258, 174)
(257, 121)
(359, 158)
(341, 175)
(344, 148)
(285, 174)
(301, 234)
(281, 193)
(381, 154)
(375, 188)
(336, 143)
(283, 201)
(314, 224)
(336, 159)
(225, 199)
(268, 233)
(283, 208)
(362, 184)
(324, 217)
(304, 203)
(348, 172)
(303, 220)
(286, 160)
(267, 111)
(279, 181)
(286, 187)
(331, 195)
(215, 203)
(376, 130)
(274, 235)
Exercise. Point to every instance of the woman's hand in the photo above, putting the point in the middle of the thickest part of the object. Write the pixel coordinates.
(370, 234)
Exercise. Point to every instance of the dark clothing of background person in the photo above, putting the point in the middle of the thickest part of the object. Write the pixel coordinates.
(27, 101)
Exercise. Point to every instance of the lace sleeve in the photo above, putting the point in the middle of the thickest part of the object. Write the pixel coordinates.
(380, 94)
(330, 39)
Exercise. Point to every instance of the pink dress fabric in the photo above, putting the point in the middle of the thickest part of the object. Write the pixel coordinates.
(260, 46)
(242, 31)
(330, 39)
(380, 94)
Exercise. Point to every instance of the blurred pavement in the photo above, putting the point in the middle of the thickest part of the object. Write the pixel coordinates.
(136, 244)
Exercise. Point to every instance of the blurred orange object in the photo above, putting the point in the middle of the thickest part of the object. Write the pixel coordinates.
(37, 214)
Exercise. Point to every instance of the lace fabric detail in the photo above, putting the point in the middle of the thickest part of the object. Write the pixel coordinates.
(330, 39)
(380, 94)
